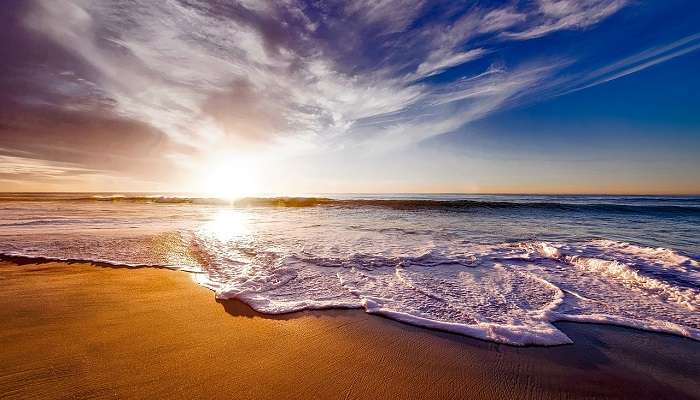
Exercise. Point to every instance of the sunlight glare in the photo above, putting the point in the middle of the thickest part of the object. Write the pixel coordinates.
(230, 179)
(227, 224)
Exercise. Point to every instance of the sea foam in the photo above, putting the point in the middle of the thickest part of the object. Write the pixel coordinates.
(437, 268)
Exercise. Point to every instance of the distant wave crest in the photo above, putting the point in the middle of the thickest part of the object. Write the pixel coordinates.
(400, 204)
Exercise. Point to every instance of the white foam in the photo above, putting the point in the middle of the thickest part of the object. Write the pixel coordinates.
(417, 267)
(632, 279)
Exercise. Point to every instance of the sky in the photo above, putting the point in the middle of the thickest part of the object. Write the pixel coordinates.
(368, 96)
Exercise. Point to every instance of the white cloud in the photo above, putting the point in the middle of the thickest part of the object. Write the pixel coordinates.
(392, 15)
(166, 60)
(435, 64)
(210, 80)
(556, 15)
(637, 62)
(499, 19)
(447, 109)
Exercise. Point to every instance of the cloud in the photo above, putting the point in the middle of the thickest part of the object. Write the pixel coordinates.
(172, 63)
(23, 168)
(21, 174)
(435, 64)
(291, 75)
(452, 106)
(391, 16)
(556, 15)
(85, 140)
(500, 19)
(638, 62)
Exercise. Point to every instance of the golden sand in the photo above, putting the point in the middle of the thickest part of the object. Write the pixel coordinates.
(85, 331)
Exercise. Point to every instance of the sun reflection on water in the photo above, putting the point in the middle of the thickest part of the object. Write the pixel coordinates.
(227, 224)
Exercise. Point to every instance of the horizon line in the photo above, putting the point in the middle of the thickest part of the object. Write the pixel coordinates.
(262, 195)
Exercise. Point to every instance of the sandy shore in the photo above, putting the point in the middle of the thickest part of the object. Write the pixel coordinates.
(84, 331)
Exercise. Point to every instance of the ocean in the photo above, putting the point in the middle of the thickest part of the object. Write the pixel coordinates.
(495, 267)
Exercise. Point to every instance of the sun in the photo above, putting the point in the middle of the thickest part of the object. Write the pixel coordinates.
(230, 179)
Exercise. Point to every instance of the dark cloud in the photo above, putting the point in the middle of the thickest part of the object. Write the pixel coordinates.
(83, 139)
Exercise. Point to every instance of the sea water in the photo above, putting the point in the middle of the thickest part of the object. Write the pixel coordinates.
(499, 268)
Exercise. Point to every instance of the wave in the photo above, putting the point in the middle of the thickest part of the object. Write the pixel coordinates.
(507, 293)
(21, 258)
(683, 206)
(480, 277)
(112, 198)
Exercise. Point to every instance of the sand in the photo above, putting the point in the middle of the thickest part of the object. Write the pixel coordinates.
(86, 331)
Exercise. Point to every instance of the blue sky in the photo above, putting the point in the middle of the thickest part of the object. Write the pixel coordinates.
(364, 96)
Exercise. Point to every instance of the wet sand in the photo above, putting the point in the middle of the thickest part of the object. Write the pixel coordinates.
(86, 331)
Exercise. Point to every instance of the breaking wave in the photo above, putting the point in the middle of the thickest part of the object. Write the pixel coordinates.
(507, 293)
(468, 273)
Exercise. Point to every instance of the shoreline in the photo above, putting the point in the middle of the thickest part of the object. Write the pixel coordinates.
(85, 330)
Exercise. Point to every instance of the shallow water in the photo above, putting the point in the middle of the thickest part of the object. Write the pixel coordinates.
(500, 268)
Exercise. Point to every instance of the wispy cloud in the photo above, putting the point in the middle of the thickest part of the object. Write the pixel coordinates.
(257, 73)
(436, 64)
(390, 16)
(450, 107)
(556, 15)
(31, 174)
(31, 166)
(638, 62)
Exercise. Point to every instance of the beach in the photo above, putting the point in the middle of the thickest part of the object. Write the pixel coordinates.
(76, 330)
(395, 199)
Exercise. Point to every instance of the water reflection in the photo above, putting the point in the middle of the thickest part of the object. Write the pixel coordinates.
(228, 224)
